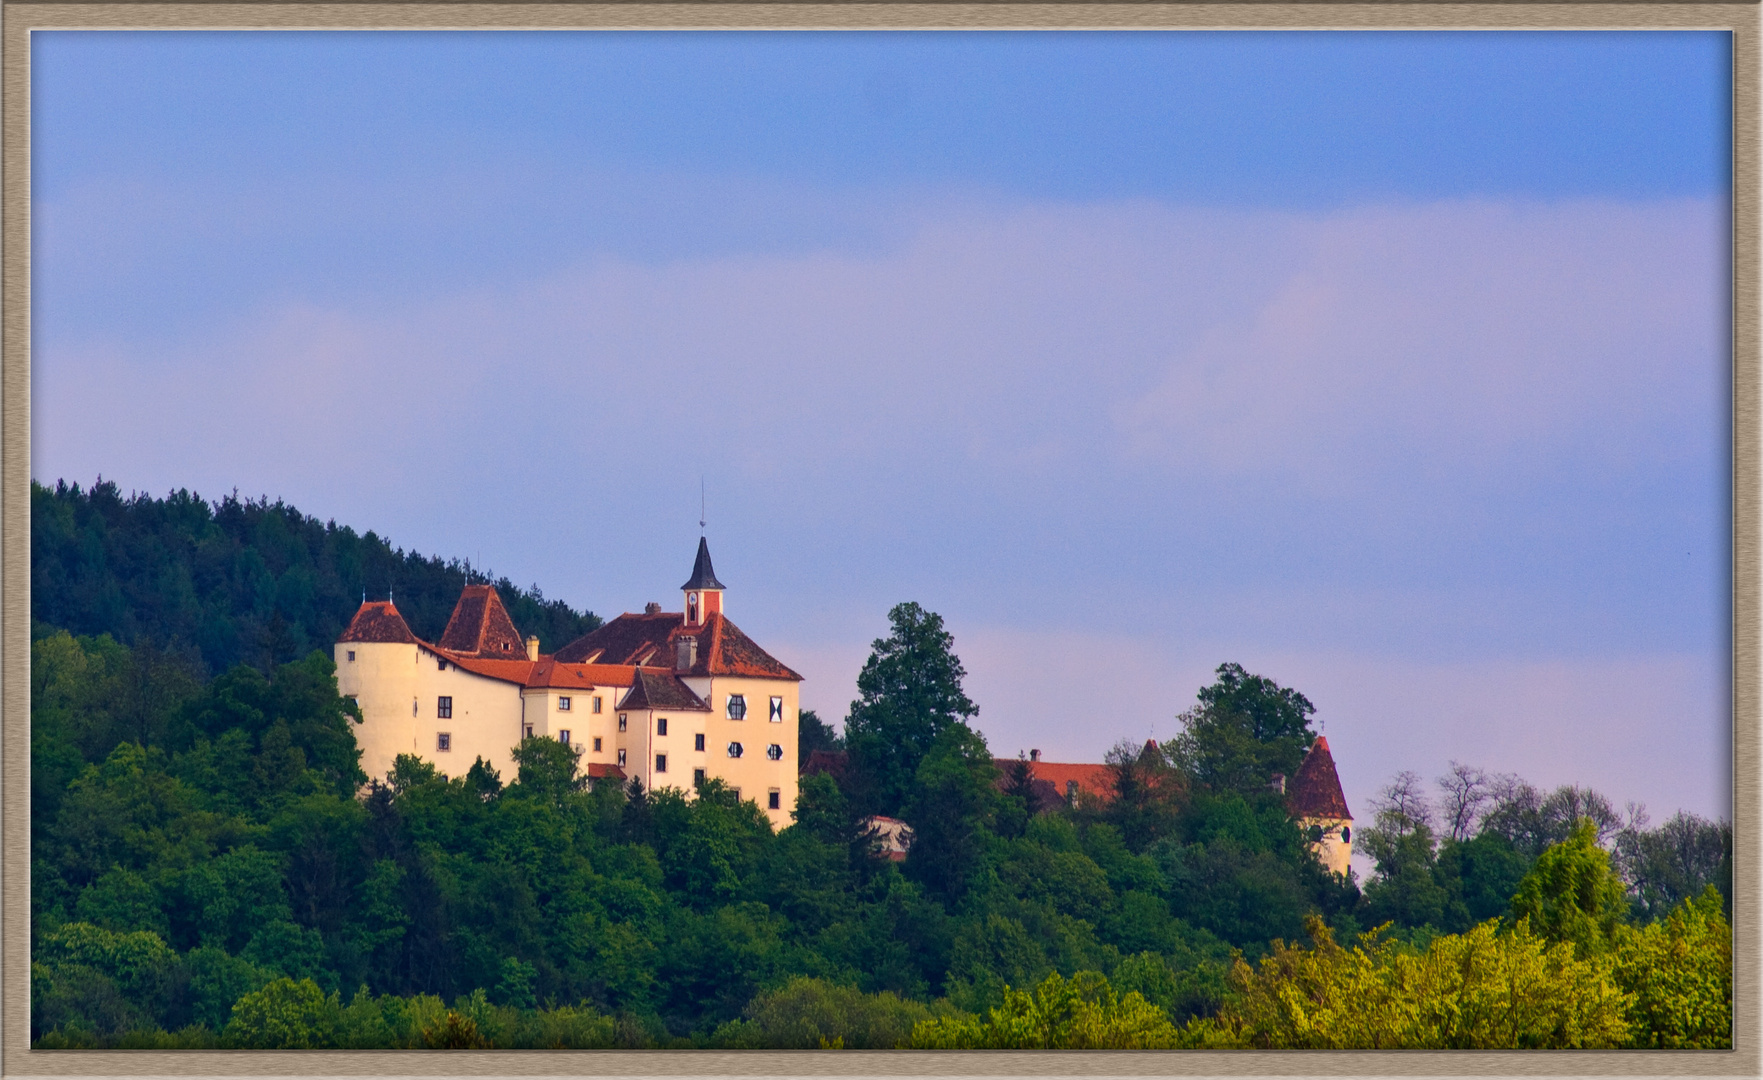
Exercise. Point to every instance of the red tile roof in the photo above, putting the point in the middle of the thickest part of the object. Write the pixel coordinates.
(598, 770)
(480, 627)
(378, 621)
(656, 689)
(1093, 779)
(514, 671)
(832, 762)
(650, 639)
(1315, 790)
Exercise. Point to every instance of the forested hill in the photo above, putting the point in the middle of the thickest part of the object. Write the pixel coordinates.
(237, 580)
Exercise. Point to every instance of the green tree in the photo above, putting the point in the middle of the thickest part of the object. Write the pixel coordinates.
(953, 798)
(813, 733)
(1483, 990)
(1405, 889)
(1080, 1013)
(1572, 894)
(285, 1015)
(1146, 794)
(547, 770)
(1478, 876)
(1680, 973)
(807, 1014)
(1671, 864)
(909, 693)
(1244, 729)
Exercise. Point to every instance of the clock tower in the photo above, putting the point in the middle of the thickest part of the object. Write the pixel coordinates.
(703, 592)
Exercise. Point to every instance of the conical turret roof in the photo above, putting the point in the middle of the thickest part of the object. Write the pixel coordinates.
(703, 576)
(1315, 791)
(378, 621)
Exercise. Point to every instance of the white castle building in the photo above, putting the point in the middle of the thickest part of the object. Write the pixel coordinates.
(672, 698)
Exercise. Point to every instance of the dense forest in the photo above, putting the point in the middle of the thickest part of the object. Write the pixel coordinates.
(238, 581)
(211, 868)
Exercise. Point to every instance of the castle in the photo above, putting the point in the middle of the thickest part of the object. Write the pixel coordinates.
(670, 698)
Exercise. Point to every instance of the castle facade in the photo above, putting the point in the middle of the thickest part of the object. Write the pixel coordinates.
(670, 698)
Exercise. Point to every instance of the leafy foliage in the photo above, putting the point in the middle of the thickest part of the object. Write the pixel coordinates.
(1080, 1013)
(1679, 971)
(1572, 894)
(1479, 990)
(211, 869)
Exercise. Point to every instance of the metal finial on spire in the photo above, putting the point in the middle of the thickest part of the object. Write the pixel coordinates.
(701, 514)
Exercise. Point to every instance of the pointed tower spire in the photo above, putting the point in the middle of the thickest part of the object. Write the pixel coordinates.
(703, 591)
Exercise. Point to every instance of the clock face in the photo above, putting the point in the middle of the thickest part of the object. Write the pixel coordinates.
(691, 598)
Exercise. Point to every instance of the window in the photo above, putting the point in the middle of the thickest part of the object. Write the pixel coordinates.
(621, 759)
(596, 744)
(529, 731)
(661, 725)
(563, 736)
(622, 718)
(444, 708)
(1347, 835)
(774, 752)
(1071, 792)
(697, 777)
(697, 742)
(771, 799)
(596, 704)
(777, 710)
(562, 704)
(351, 656)
(441, 665)
(734, 749)
(737, 706)
(660, 762)
(444, 742)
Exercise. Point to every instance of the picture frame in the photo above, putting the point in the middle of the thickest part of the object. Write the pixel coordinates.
(19, 20)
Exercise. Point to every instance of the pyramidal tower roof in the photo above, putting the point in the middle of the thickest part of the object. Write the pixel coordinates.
(480, 627)
(1315, 791)
(703, 575)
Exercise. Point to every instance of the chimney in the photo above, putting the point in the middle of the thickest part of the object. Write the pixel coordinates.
(532, 648)
(651, 608)
(686, 653)
(1278, 783)
(1034, 755)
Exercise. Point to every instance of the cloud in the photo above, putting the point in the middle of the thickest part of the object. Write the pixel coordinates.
(1446, 434)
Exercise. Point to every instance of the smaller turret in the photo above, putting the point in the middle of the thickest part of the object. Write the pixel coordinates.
(703, 591)
(1315, 800)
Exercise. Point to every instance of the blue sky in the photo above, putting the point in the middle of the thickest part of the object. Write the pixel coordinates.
(1391, 365)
